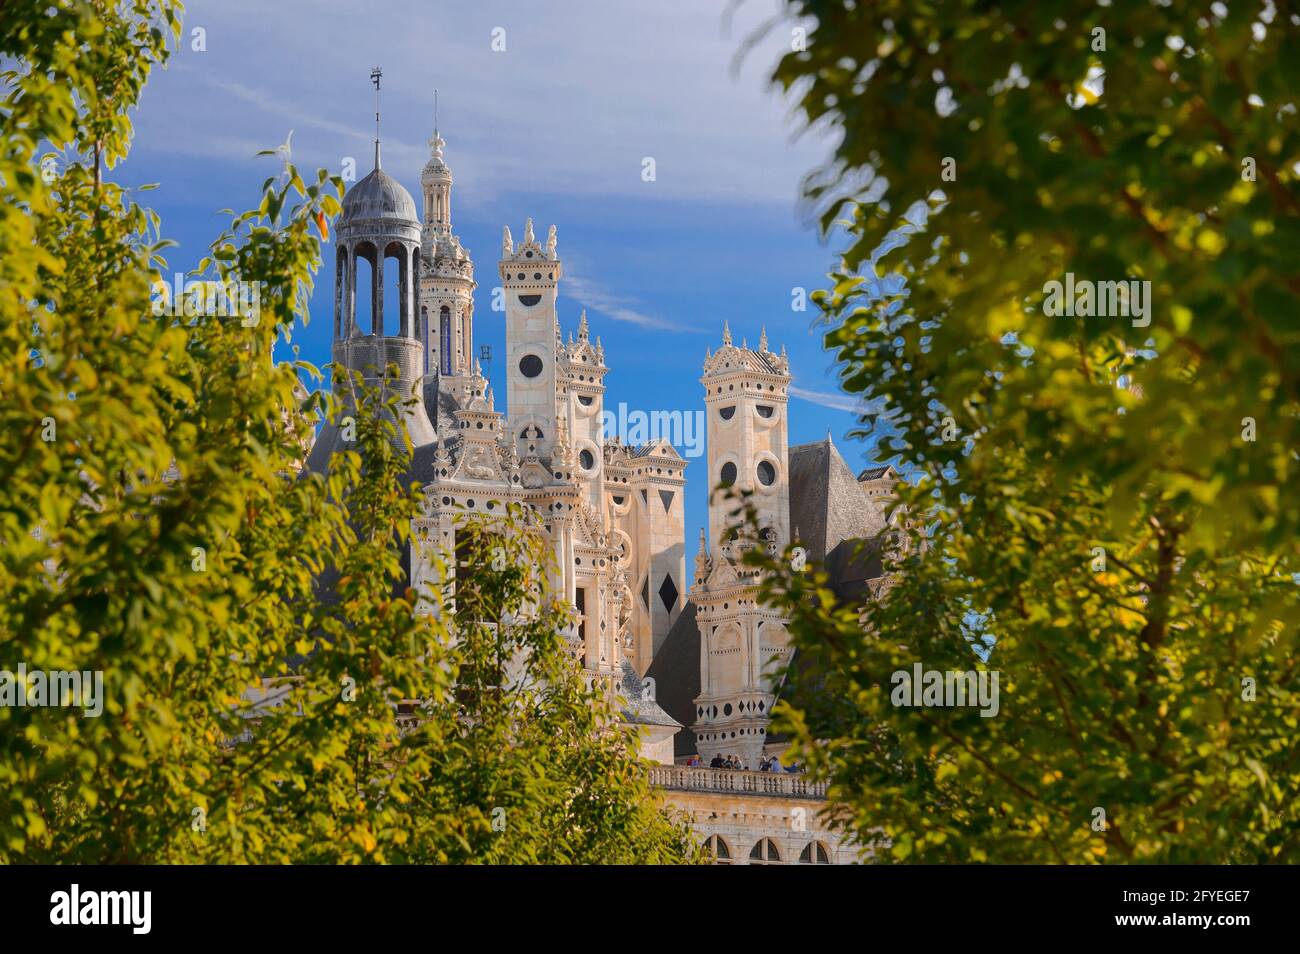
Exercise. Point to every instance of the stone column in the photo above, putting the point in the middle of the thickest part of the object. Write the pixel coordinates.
(377, 294)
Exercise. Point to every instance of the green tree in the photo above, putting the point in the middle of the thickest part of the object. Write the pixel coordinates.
(1110, 498)
(155, 528)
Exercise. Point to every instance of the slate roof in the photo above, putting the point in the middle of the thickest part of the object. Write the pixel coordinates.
(676, 672)
(636, 708)
(378, 196)
(827, 505)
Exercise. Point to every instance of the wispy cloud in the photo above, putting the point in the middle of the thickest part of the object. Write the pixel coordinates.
(835, 400)
(613, 306)
(277, 106)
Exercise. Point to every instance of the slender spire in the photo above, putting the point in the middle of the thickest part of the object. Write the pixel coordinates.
(375, 75)
(582, 326)
(762, 339)
(726, 332)
(437, 143)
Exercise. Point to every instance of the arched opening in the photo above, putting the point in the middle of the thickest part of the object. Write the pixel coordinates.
(765, 853)
(444, 338)
(814, 853)
(719, 849)
(393, 295)
(364, 289)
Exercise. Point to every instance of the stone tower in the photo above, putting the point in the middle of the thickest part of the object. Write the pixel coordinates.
(580, 398)
(529, 277)
(741, 643)
(745, 404)
(446, 287)
(378, 222)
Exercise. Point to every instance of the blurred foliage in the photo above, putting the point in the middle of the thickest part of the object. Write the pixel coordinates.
(155, 527)
(1113, 504)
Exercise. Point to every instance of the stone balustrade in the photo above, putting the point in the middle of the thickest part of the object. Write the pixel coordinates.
(684, 779)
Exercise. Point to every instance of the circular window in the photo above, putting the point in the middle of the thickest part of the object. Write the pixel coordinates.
(728, 474)
(766, 473)
(587, 459)
(530, 366)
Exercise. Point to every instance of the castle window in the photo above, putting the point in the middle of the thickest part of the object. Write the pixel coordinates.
(766, 473)
(727, 476)
(587, 460)
(585, 400)
(444, 338)
(719, 850)
(530, 366)
(814, 853)
(728, 412)
(765, 853)
(529, 300)
(764, 410)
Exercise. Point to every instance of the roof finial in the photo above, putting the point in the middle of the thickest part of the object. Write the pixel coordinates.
(375, 75)
(762, 340)
(437, 142)
(582, 326)
(726, 332)
(529, 238)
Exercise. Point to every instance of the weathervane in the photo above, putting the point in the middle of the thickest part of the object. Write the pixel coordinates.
(375, 75)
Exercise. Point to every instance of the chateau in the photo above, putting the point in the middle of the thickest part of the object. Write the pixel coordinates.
(693, 657)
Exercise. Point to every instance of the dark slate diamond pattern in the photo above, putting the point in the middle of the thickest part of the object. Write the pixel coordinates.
(668, 592)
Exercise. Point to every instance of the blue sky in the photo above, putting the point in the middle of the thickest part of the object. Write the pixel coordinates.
(556, 128)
